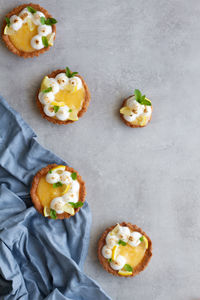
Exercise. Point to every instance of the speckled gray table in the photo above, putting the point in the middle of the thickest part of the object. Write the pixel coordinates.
(148, 176)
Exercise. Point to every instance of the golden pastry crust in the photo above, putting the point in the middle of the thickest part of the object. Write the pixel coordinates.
(129, 123)
(9, 44)
(80, 113)
(36, 200)
(140, 267)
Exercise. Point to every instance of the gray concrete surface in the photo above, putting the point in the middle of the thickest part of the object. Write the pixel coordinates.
(148, 176)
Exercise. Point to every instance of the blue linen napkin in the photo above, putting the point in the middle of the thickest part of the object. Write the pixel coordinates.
(39, 258)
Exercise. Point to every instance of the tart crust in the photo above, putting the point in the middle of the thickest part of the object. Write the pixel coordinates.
(80, 113)
(140, 267)
(36, 200)
(9, 44)
(129, 123)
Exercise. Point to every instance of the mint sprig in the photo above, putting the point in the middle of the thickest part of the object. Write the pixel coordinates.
(53, 214)
(49, 21)
(141, 99)
(69, 73)
(77, 204)
(31, 9)
(57, 184)
(122, 243)
(141, 238)
(50, 172)
(128, 268)
(8, 21)
(110, 259)
(74, 176)
(56, 108)
(45, 41)
(49, 89)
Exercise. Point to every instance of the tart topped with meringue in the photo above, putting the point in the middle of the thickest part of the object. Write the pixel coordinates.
(63, 97)
(29, 30)
(124, 250)
(58, 191)
(136, 110)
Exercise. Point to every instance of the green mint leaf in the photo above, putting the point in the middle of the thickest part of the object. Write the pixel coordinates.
(128, 268)
(53, 214)
(69, 73)
(138, 95)
(45, 41)
(73, 73)
(145, 102)
(31, 9)
(50, 172)
(57, 184)
(141, 239)
(110, 259)
(56, 108)
(70, 110)
(50, 21)
(42, 20)
(8, 21)
(77, 204)
(49, 89)
(122, 243)
(74, 176)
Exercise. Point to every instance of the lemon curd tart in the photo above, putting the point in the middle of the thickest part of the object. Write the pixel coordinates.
(58, 191)
(29, 30)
(63, 97)
(124, 250)
(136, 110)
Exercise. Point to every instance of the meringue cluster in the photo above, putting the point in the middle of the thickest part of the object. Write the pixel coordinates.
(136, 113)
(33, 18)
(58, 177)
(55, 109)
(120, 235)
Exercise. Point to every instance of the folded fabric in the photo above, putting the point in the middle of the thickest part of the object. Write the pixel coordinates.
(39, 258)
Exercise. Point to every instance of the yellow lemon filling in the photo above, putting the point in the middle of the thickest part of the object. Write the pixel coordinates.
(133, 255)
(21, 38)
(46, 192)
(73, 100)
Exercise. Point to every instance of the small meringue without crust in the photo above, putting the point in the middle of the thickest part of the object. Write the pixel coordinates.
(62, 80)
(76, 82)
(111, 240)
(37, 16)
(36, 42)
(46, 98)
(134, 239)
(44, 30)
(123, 233)
(25, 14)
(63, 113)
(55, 86)
(57, 204)
(106, 252)
(49, 110)
(52, 178)
(16, 22)
(66, 178)
(118, 263)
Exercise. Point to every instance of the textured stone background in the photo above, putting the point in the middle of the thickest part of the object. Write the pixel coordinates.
(148, 176)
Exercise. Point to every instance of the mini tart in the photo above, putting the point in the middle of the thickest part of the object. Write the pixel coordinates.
(140, 266)
(9, 43)
(132, 124)
(82, 109)
(35, 188)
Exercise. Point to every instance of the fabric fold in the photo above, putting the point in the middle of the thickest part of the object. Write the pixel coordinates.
(40, 258)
